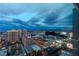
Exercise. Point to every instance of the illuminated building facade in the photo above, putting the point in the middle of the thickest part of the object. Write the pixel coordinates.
(13, 36)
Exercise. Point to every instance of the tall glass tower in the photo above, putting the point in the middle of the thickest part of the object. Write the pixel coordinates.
(76, 30)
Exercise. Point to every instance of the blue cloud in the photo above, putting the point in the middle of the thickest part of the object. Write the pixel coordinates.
(36, 16)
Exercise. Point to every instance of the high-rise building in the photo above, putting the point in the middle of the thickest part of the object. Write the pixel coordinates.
(76, 31)
(27, 41)
(26, 37)
(13, 36)
(22, 33)
(0, 42)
